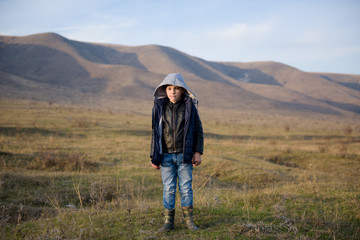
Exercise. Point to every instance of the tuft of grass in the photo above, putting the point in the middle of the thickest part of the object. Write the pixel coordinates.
(61, 162)
(282, 159)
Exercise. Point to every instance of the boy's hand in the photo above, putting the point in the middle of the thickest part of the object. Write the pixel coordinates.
(196, 160)
(154, 166)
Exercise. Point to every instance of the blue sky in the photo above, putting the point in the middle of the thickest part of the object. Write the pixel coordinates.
(314, 36)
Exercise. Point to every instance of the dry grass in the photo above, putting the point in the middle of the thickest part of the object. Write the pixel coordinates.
(259, 180)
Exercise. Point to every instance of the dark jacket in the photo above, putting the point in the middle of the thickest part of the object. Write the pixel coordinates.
(173, 127)
(192, 137)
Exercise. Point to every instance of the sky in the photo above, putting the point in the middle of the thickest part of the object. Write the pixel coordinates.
(311, 35)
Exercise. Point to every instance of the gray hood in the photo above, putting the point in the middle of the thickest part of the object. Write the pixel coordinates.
(174, 79)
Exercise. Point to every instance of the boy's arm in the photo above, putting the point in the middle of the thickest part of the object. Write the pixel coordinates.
(152, 141)
(199, 135)
(152, 133)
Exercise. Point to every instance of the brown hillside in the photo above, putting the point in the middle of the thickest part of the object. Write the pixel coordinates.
(49, 67)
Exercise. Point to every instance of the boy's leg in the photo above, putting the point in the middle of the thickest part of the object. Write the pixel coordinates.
(184, 173)
(169, 179)
(185, 188)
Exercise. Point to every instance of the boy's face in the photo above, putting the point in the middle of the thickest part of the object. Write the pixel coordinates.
(174, 93)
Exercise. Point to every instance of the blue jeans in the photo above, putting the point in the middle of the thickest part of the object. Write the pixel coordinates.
(172, 168)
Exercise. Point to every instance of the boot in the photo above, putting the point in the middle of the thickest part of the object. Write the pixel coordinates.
(169, 220)
(189, 218)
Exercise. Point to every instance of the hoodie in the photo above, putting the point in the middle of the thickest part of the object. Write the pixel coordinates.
(173, 79)
(193, 139)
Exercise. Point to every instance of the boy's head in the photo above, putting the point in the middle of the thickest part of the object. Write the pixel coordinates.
(175, 80)
(174, 93)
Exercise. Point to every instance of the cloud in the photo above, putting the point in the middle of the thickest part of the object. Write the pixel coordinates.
(109, 31)
(232, 42)
(229, 37)
(234, 32)
(242, 33)
(310, 37)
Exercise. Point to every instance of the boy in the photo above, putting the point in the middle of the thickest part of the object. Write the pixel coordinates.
(176, 145)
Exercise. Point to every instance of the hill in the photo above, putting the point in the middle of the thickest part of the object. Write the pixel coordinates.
(49, 67)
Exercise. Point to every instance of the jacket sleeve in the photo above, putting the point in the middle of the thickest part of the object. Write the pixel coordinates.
(199, 134)
(152, 134)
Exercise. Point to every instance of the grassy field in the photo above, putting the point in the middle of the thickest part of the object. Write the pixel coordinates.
(73, 173)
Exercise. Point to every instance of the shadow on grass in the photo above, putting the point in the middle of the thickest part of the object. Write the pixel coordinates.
(290, 137)
(73, 162)
(134, 132)
(13, 131)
